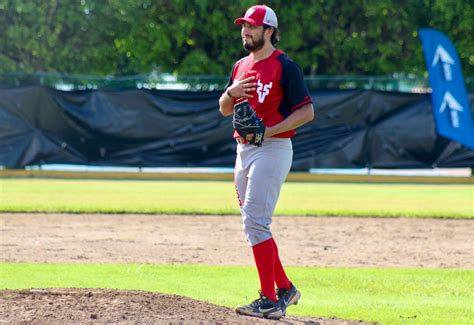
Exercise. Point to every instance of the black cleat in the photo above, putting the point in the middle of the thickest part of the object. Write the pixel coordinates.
(287, 297)
(261, 307)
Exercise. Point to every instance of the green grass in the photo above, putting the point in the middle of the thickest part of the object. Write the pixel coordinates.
(390, 296)
(218, 197)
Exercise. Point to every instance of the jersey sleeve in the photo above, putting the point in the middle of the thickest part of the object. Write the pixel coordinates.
(292, 81)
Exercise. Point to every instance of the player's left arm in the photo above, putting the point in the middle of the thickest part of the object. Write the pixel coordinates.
(297, 97)
(298, 118)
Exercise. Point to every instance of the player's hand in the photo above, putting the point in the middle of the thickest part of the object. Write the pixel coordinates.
(243, 87)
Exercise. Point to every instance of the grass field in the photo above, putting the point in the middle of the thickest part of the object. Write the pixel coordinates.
(391, 296)
(218, 197)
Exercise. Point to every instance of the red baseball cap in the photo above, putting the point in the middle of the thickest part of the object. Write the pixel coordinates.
(259, 15)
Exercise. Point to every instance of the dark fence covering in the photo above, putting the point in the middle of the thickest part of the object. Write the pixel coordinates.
(162, 128)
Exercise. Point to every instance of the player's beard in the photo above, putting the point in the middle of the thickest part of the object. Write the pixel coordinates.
(256, 44)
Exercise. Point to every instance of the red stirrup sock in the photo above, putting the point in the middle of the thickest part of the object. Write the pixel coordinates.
(264, 259)
(281, 279)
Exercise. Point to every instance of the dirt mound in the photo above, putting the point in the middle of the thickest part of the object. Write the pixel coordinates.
(68, 306)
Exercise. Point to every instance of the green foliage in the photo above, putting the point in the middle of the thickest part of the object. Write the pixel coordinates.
(388, 296)
(125, 37)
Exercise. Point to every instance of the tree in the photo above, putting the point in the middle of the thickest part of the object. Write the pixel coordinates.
(127, 37)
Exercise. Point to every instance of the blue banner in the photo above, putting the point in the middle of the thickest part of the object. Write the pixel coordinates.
(449, 97)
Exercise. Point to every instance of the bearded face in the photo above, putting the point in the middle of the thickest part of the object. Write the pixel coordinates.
(254, 43)
(252, 37)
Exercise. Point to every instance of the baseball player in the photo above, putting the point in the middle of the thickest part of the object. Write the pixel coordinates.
(273, 86)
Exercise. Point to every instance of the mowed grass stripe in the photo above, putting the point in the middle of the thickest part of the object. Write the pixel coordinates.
(218, 197)
(391, 296)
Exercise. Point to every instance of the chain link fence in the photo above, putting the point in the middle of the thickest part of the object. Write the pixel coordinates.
(210, 83)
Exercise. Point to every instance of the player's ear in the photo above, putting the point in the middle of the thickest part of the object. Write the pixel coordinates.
(273, 33)
(267, 28)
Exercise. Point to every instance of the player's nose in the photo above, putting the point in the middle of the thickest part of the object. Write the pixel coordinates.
(245, 31)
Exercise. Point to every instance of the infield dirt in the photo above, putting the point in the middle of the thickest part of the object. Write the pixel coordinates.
(212, 240)
(219, 240)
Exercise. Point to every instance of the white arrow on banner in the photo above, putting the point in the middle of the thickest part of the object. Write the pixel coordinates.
(451, 102)
(443, 56)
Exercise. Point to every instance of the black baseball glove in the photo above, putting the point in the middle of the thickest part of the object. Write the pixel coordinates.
(246, 122)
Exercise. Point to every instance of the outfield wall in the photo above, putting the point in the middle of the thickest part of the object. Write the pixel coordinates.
(163, 128)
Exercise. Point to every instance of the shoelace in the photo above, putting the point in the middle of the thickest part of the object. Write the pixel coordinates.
(258, 301)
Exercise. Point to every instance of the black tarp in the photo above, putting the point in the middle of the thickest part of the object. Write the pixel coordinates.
(162, 128)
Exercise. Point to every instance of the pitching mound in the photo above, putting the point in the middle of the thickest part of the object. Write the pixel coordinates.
(99, 306)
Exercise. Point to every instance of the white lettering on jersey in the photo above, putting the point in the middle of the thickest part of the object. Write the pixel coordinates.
(263, 90)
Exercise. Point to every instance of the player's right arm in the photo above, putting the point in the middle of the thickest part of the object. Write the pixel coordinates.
(226, 103)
